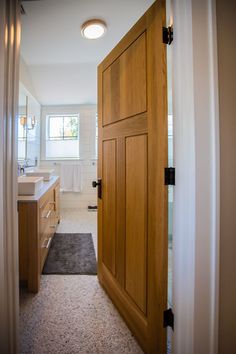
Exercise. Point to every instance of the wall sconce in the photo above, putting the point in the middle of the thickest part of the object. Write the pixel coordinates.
(31, 126)
(23, 121)
(28, 122)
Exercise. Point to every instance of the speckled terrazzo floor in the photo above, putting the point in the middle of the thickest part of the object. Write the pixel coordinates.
(72, 314)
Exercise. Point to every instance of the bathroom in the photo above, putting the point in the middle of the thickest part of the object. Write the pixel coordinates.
(36, 149)
(58, 136)
(57, 154)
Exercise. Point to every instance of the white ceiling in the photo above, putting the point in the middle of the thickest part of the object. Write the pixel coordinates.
(61, 63)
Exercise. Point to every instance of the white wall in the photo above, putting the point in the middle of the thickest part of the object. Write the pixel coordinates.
(65, 83)
(87, 158)
(25, 77)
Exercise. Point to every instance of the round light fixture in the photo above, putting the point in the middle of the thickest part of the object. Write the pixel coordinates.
(93, 29)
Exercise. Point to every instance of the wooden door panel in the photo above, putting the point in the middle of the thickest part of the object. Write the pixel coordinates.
(120, 236)
(135, 318)
(111, 85)
(124, 84)
(128, 127)
(132, 213)
(136, 219)
(109, 210)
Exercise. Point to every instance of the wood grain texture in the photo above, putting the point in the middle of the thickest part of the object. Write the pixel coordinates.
(135, 319)
(139, 290)
(36, 224)
(136, 219)
(57, 203)
(44, 209)
(100, 173)
(157, 191)
(23, 241)
(128, 127)
(121, 217)
(124, 84)
(109, 209)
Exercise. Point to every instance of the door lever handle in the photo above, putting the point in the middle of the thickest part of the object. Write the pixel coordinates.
(99, 185)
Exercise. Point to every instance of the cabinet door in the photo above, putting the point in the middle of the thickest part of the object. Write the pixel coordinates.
(45, 243)
(45, 212)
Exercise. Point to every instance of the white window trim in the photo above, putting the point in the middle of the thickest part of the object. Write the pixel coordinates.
(79, 110)
(44, 135)
(48, 116)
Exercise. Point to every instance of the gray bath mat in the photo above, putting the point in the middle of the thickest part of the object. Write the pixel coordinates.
(71, 254)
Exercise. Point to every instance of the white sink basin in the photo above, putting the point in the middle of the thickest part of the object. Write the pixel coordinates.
(46, 174)
(29, 185)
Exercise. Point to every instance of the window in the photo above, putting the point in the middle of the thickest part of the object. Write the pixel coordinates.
(63, 127)
(62, 136)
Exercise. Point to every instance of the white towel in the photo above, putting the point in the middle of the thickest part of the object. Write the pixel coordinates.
(70, 178)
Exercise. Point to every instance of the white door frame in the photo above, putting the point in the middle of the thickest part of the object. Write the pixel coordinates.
(9, 82)
(196, 196)
(196, 208)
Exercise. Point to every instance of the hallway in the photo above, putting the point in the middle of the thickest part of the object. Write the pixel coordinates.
(72, 314)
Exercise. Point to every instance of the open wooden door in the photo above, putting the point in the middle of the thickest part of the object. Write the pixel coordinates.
(132, 210)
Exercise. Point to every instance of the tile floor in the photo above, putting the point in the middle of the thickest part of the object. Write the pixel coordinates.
(72, 314)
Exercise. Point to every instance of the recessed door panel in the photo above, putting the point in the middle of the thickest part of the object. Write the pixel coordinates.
(136, 219)
(125, 84)
(109, 202)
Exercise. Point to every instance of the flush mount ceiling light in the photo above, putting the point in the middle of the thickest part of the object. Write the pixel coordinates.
(93, 29)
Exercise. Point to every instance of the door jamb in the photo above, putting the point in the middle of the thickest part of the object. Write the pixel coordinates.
(9, 83)
(197, 192)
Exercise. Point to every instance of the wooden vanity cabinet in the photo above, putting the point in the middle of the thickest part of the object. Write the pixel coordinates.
(38, 218)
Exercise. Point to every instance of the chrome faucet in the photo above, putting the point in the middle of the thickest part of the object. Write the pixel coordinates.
(26, 164)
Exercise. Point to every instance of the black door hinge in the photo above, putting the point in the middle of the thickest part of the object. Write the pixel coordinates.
(22, 10)
(168, 319)
(168, 35)
(170, 176)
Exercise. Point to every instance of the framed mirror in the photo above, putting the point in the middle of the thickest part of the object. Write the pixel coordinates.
(22, 124)
(28, 128)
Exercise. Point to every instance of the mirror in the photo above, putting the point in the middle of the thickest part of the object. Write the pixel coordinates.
(22, 121)
(28, 128)
(33, 129)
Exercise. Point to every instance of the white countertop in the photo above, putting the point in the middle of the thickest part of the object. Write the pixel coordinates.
(35, 198)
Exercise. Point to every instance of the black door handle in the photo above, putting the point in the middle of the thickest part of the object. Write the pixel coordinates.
(99, 185)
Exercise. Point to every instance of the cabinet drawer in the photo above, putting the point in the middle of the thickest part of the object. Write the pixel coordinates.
(57, 203)
(49, 228)
(44, 248)
(46, 212)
